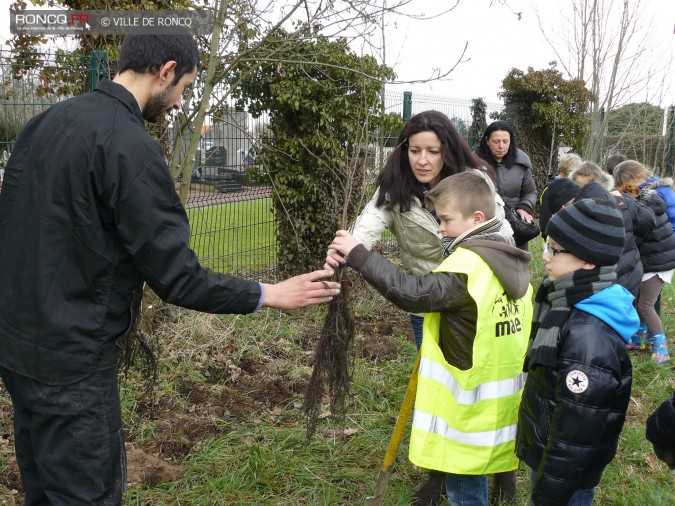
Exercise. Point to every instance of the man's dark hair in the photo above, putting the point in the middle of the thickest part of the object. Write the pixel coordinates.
(145, 54)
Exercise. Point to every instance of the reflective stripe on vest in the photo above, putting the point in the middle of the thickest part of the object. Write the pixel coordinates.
(488, 390)
(489, 438)
(465, 420)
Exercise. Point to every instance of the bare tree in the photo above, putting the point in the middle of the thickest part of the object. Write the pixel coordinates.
(610, 45)
(243, 30)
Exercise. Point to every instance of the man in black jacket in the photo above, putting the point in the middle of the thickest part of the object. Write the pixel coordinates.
(88, 213)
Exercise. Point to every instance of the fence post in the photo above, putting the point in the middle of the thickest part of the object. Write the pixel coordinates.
(407, 105)
(98, 68)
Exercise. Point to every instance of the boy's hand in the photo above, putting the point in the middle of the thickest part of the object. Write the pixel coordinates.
(343, 244)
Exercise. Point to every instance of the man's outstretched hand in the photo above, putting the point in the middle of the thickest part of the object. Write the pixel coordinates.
(301, 291)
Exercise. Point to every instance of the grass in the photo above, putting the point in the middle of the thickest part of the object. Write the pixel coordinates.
(238, 238)
(229, 410)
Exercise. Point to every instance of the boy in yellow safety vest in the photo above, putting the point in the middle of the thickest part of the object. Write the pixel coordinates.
(478, 314)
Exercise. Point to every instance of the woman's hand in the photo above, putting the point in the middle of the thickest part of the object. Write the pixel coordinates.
(525, 215)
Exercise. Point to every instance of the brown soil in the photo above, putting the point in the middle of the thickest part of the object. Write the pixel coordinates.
(143, 467)
(9, 474)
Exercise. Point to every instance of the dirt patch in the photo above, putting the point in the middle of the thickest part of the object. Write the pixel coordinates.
(9, 473)
(376, 339)
(211, 409)
(10, 476)
(379, 349)
(178, 435)
(143, 467)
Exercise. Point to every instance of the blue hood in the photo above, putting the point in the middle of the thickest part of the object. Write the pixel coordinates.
(614, 306)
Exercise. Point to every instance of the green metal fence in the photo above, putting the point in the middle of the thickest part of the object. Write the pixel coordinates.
(408, 104)
(232, 223)
(229, 204)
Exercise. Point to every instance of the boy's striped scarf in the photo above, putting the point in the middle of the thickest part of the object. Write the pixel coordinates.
(488, 230)
(552, 306)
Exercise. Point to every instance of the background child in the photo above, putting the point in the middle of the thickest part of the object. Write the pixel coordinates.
(476, 323)
(567, 163)
(588, 173)
(559, 192)
(579, 371)
(657, 252)
(638, 221)
(612, 161)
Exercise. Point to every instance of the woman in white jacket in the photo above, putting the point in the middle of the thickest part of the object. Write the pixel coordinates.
(429, 148)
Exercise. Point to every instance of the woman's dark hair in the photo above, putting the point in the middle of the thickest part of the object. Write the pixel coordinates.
(147, 53)
(397, 183)
(484, 150)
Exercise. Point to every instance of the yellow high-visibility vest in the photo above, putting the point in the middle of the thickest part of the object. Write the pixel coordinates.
(465, 421)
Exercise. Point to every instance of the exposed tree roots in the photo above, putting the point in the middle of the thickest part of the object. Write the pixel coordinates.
(333, 364)
(140, 348)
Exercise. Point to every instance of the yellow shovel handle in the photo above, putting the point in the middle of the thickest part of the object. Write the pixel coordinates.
(395, 440)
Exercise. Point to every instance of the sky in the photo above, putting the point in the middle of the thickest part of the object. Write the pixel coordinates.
(498, 40)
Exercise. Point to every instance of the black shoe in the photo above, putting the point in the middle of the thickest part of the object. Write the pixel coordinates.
(430, 493)
(504, 488)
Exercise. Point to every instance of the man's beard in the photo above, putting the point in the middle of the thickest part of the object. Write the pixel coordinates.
(157, 106)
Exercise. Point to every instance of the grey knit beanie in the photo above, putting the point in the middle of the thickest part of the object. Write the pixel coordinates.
(591, 229)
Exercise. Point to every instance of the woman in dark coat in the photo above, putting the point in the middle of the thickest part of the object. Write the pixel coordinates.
(513, 167)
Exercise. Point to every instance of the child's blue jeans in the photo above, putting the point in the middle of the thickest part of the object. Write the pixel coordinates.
(466, 490)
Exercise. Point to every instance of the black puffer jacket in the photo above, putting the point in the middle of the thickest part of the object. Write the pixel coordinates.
(568, 438)
(661, 431)
(638, 222)
(657, 249)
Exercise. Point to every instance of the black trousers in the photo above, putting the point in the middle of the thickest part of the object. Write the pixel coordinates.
(68, 439)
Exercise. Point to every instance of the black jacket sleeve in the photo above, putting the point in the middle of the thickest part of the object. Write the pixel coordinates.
(153, 225)
(433, 292)
(661, 431)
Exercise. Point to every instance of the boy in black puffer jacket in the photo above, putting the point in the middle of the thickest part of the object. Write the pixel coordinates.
(579, 371)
